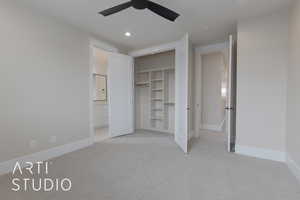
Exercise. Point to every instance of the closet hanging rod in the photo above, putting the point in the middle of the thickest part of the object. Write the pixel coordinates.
(157, 99)
(161, 119)
(169, 103)
(142, 83)
(153, 80)
(155, 69)
(160, 89)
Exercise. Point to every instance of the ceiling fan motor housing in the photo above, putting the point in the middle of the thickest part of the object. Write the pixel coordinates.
(139, 4)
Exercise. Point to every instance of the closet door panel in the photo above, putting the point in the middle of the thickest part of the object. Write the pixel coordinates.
(182, 95)
(121, 94)
(231, 97)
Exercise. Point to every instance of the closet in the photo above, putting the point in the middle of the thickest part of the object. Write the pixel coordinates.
(155, 92)
(147, 89)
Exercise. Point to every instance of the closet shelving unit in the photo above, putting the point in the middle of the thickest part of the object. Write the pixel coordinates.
(142, 79)
(156, 80)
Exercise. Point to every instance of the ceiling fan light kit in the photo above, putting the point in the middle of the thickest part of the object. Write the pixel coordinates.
(140, 5)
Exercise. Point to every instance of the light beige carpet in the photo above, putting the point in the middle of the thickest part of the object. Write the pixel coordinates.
(149, 166)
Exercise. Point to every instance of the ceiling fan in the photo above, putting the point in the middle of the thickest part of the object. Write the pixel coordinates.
(140, 5)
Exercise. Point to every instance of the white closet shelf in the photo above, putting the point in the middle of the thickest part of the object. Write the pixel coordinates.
(143, 72)
(97, 74)
(169, 103)
(153, 80)
(156, 118)
(155, 69)
(170, 69)
(160, 89)
(142, 83)
(156, 99)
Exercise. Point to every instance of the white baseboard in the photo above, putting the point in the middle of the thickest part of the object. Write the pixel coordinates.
(7, 166)
(211, 127)
(116, 132)
(102, 126)
(155, 130)
(261, 153)
(293, 166)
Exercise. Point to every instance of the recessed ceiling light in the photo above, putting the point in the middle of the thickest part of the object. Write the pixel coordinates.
(128, 34)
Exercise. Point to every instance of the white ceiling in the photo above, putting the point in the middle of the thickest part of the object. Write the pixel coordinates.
(207, 21)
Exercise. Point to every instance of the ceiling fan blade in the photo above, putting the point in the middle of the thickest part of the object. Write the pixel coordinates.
(115, 9)
(162, 11)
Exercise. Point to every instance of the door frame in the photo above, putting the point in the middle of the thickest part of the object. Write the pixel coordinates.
(95, 44)
(160, 49)
(172, 46)
(204, 50)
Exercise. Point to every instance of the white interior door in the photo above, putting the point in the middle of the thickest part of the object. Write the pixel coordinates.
(120, 94)
(182, 100)
(230, 103)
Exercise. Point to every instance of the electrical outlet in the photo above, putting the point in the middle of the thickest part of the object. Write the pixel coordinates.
(53, 139)
(33, 144)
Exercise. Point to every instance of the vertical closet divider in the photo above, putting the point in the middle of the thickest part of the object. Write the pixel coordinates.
(150, 99)
(165, 113)
(163, 99)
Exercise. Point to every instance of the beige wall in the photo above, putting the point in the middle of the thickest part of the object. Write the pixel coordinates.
(212, 103)
(293, 100)
(261, 81)
(44, 82)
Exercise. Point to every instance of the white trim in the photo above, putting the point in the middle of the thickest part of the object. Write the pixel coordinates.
(7, 166)
(293, 166)
(261, 153)
(155, 130)
(155, 69)
(212, 48)
(154, 49)
(99, 139)
(116, 133)
(211, 127)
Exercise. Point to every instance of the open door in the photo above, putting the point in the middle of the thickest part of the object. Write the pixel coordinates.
(182, 93)
(120, 94)
(231, 97)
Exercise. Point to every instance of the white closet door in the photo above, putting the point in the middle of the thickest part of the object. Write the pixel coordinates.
(120, 94)
(182, 95)
(230, 104)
